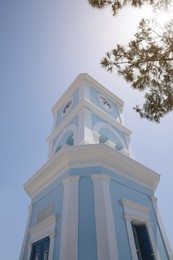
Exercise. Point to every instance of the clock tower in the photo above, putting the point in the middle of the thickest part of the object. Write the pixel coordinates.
(91, 200)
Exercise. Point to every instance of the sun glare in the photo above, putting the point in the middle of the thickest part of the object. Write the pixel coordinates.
(163, 17)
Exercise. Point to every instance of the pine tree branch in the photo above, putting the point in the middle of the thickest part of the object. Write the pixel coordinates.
(139, 62)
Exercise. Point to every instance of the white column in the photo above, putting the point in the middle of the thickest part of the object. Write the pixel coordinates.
(53, 129)
(29, 251)
(128, 220)
(69, 226)
(51, 246)
(151, 235)
(121, 115)
(84, 93)
(85, 122)
(163, 233)
(105, 231)
(26, 234)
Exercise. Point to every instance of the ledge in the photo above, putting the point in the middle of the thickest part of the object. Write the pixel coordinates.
(87, 104)
(90, 155)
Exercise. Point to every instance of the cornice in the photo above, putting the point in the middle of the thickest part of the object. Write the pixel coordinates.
(90, 155)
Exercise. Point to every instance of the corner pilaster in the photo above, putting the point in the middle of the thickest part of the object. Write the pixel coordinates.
(105, 232)
(162, 229)
(85, 124)
(26, 233)
(69, 229)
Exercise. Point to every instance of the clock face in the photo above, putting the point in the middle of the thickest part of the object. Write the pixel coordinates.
(67, 107)
(105, 102)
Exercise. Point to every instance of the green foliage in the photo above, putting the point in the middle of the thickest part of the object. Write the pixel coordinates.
(116, 5)
(147, 62)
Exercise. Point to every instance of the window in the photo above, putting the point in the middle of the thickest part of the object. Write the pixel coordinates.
(40, 249)
(143, 245)
(139, 229)
(58, 148)
(42, 238)
(103, 138)
(70, 140)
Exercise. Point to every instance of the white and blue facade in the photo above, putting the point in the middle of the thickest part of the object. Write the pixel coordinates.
(91, 199)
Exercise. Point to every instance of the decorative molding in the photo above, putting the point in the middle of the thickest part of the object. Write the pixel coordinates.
(100, 125)
(72, 128)
(125, 152)
(128, 204)
(138, 214)
(43, 229)
(128, 220)
(86, 162)
(45, 213)
(89, 156)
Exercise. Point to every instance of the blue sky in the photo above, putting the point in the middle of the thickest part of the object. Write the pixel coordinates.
(44, 46)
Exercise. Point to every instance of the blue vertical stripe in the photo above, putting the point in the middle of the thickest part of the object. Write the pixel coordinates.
(87, 227)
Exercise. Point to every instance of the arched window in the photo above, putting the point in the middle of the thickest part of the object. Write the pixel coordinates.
(67, 137)
(70, 140)
(58, 148)
(108, 135)
(103, 138)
